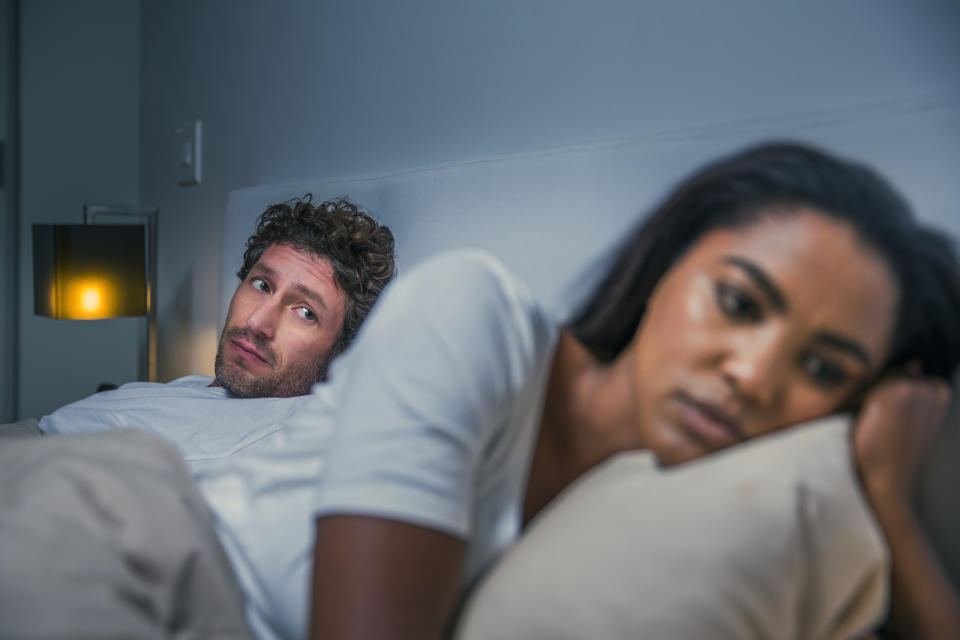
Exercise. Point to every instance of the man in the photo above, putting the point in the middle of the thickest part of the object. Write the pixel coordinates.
(310, 274)
(109, 531)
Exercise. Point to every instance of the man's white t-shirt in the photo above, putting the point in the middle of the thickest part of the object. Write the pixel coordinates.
(203, 422)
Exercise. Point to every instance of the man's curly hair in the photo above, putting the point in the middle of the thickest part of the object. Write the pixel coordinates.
(360, 250)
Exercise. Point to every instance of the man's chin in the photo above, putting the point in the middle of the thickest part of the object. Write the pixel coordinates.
(286, 383)
(242, 384)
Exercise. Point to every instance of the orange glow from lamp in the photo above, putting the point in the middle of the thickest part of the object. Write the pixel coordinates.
(97, 271)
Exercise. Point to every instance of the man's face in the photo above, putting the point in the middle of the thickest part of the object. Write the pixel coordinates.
(283, 320)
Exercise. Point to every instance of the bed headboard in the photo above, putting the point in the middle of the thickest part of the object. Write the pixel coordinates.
(542, 214)
(552, 216)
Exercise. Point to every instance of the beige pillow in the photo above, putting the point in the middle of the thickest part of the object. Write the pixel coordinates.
(768, 539)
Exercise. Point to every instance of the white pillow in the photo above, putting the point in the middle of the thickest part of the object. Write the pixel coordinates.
(768, 539)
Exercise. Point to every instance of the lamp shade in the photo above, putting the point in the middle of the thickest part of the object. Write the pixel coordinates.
(89, 272)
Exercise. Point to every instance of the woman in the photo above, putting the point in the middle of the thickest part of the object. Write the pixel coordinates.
(773, 287)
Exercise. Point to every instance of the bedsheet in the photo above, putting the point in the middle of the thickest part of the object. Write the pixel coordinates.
(106, 536)
(20, 429)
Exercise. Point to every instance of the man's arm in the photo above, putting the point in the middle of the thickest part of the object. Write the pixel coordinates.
(376, 578)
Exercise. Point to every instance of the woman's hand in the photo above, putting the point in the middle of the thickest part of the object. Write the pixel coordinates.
(896, 425)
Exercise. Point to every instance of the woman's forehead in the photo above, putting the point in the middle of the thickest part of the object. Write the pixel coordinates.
(797, 238)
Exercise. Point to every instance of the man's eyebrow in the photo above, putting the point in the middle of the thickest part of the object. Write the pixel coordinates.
(762, 280)
(305, 291)
(852, 347)
(310, 293)
(259, 267)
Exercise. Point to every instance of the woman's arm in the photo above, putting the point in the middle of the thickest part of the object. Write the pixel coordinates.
(375, 578)
(896, 426)
(430, 403)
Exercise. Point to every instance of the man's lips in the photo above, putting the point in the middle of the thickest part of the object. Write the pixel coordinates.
(710, 423)
(246, 349)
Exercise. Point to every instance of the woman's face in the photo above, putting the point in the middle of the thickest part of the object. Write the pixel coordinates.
(758, 328)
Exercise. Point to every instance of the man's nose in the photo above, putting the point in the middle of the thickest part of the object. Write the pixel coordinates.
(263, 319)
(755, 366)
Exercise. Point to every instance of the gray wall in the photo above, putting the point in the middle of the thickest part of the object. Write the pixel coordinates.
(80, 136)
(8, 223)
(303, 90)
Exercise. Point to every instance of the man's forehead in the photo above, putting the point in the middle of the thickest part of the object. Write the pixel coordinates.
(306, 272)
(290, 261)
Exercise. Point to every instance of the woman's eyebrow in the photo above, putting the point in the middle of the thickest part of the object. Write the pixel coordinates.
(779, 302)
(844, 344)
(762, 280)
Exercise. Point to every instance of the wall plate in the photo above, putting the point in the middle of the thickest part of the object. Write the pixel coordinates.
(189, 149)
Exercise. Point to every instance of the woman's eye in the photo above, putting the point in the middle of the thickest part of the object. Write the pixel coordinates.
(736, 304)
(306, 313)
(260, 285)
(824, 372)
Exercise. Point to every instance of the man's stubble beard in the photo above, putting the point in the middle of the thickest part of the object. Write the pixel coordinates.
(296, 380)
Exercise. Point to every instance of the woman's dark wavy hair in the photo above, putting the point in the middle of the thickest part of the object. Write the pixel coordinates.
(360, 250)
(773, 179)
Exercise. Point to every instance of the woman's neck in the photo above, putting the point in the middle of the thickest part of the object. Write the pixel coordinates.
(587, 417)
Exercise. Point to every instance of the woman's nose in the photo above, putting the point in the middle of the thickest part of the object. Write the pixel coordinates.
(755, 366)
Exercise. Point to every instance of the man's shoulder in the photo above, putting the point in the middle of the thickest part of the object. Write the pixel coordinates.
(178, 385)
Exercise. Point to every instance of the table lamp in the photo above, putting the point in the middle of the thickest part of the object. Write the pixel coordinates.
(92, 271)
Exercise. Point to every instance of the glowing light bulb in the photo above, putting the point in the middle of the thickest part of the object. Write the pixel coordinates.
(90, 299)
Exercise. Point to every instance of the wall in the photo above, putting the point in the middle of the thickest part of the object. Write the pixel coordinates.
(302, 90)
(8, 222)
(80, 143)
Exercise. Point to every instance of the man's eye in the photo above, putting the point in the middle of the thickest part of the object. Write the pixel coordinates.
(306, 313)
(735, 304)
(260, 285)
(823, 372)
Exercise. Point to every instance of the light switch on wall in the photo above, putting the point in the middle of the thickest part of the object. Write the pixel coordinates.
(189, 153)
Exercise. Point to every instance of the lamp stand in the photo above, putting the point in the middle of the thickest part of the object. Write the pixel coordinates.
(147, 357)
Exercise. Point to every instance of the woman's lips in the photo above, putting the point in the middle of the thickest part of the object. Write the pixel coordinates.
(710, 424)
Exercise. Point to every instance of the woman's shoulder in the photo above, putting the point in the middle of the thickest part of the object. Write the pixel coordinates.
(471, 281)
(466, 266)
(460, 309)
